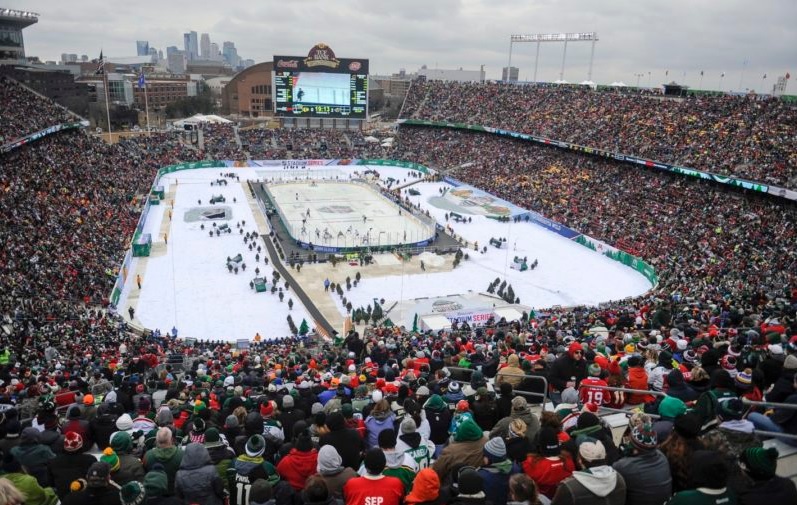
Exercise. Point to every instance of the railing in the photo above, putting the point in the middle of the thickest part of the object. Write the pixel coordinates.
(534, 394)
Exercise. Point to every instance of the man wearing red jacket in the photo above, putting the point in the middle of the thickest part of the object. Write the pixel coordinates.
(373, 488)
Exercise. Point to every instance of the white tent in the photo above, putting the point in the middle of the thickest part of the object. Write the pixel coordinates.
(435, 322)
(200, 119)
(619, 84)
(588, 83)
(509, 313)
(560, 81)
(371, 138)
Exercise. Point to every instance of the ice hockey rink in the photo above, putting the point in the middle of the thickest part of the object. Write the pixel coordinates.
(345, 214)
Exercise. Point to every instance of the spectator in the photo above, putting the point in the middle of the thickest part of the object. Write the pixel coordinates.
(495, 471)
(197, 480)
(759, 465)
(165, 454)
(425, 489)
(594, 482)
(645, 469)
(331, 470)
(709, 478)
(71, 465)
(547, 466)
(99, 488)
(373, 487)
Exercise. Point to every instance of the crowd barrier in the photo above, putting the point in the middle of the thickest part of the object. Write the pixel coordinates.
(686, 171)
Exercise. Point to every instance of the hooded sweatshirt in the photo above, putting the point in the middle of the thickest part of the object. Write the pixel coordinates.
(297, 466)
(169, 457)
(425, 488)
(330, 469)
(374, 425)
(597, 485)
(420, 449)
(511, 373)
(197, 480)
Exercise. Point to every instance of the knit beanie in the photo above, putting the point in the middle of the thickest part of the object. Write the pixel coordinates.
(495, 449)
(570, 395)
(73, 442)
(329, 461)
(374, 461)
(548, 441)
(470, 482)
(132, 493)
(468, 431)
(408, 426)
(744, 380)
(591, 450)
(255, 446)
(121, 442)
(164, 417)
(435, 402)
(287, 402)
(98, 474)
(790, 363)
(231, 422)
(671, 407)
(519, 405)
(110, 457)
(594, 370)
(212, 438)
(156, 483)
(760, 463)
(125, 422)
(731, 410)
(643, 437)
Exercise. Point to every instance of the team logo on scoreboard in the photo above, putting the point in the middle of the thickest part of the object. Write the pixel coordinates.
(321, 55)
(355, 66)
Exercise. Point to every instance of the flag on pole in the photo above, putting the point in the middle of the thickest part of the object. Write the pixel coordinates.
(722, 74)
(788, 75)
(100, 65)
(141, 81)
(666, 72)
(765, 76)
(701, 73)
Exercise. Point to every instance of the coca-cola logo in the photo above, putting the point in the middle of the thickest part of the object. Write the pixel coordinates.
(288, 64)
(355, 66)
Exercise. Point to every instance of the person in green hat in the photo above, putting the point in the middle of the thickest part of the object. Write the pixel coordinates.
(466, 448)
(130, 467)
(759, 465)
(221, 455)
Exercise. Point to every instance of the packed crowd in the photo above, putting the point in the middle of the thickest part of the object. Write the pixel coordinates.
(35, 113)
(396, 418)
(708, 246)
(93, 413)
(743, 136)
(220, 142)
(293, 143)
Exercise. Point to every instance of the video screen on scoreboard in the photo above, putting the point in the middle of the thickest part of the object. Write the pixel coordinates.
(334, 89)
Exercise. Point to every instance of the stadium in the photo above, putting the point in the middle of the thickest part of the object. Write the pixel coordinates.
(501, 267)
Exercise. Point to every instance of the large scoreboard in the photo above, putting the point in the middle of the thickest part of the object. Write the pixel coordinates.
(320, 85)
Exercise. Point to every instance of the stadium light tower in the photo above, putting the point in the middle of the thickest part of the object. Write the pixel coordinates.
(555, 37)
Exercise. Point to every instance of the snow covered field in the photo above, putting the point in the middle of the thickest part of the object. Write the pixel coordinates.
(185, 284)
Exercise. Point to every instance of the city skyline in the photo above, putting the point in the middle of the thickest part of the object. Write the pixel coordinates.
(690, 42)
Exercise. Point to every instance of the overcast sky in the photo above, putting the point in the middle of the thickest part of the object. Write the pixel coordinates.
(646, 37)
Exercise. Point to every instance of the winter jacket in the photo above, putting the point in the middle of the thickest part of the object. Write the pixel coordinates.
(647, 477)
(777, 490)
(637, 379)
(130, 469)
(501, 428)
(169, 457)
(399, 465)
(197, 480)
(547, 473)
(336, 481)
(297, 466)
(106, 495)
(66, 468)
(485, 413)
(600, 485)
(375, 424)
(347, 442)
(34, 458)
(512, 373)
(103, 426)
(290, 417)
(221, 457)
(468, 453)
(496, 480)
(563, 369)
(439, 421)
(783, 387)
(34, 493)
